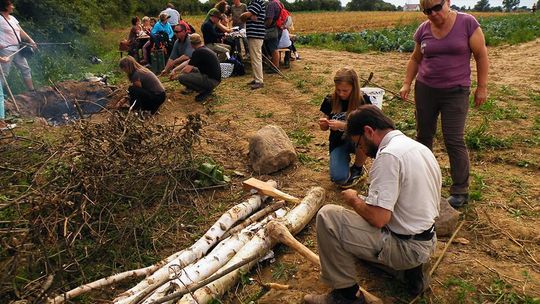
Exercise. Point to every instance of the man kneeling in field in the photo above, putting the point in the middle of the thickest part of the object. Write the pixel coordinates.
(394, 224)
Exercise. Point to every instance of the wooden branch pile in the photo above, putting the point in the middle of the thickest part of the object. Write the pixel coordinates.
(213, 264)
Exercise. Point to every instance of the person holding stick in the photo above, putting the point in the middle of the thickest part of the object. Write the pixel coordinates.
(393, 225)
(11, 37)
(441, 64)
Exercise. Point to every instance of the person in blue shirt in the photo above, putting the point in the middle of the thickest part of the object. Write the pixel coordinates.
(163, 26)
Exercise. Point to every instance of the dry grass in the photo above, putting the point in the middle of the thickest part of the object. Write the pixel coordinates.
(331, 22)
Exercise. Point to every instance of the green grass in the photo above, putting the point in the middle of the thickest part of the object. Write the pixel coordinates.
(462, 289)
(300, 137)
(507, 29)
(283, 271)
(479, 138)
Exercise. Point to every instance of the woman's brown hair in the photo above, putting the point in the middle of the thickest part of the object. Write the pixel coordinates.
(347, 75)
(130, 66)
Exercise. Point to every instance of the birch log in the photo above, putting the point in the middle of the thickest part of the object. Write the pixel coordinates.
(224, 223)
(213, 261)
(295, 220)
(197, 250)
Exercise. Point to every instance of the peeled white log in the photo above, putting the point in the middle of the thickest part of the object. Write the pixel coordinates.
(199, 249)
(295, 220)
(213, 261)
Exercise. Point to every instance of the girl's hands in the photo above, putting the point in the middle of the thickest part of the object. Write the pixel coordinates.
(337, 125)
(323, 123)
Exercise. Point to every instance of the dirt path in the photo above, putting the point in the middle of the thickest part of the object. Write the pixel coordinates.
(502, 257)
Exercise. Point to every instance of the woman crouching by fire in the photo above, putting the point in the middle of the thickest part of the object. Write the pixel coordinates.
(146, 91)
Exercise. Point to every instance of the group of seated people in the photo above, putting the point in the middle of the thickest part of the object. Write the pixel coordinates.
(194, 63)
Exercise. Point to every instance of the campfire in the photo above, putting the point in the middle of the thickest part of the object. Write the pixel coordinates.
(63, 102)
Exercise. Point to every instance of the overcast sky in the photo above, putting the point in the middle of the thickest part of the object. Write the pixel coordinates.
(459, 3)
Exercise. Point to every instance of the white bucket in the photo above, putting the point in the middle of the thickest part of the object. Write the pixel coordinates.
(375, 94)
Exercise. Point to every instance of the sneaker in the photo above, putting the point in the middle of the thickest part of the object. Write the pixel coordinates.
(458, 200)
(257, 85)
(417, 279)
(298, 57)
(356, 175)
(252, 82)
(332, 298)
(202, 96)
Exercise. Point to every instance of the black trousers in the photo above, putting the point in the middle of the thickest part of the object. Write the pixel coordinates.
(144, 99)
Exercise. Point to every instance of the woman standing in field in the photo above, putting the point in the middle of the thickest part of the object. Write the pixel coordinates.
(146, 91)
(441, 64)
(336, 107)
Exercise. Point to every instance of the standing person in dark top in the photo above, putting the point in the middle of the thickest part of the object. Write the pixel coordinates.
(255, 33)
(336, 107)
(203, 72)
(146, 91)
(213, 38)
(273, 33)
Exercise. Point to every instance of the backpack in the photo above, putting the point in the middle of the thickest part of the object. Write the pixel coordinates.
(238, 66)
(284, 19)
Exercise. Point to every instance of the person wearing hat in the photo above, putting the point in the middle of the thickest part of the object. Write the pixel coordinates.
(213, 37)
(174, 15)
(163, 26)
(203, 71)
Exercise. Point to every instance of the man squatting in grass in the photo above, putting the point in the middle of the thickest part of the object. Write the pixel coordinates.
(394, 224)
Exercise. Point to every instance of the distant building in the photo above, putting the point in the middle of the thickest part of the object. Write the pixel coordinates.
(411, 7)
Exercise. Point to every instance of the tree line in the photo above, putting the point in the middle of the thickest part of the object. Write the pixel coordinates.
(54, 19)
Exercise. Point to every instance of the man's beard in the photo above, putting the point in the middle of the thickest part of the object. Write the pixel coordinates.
(371, 149)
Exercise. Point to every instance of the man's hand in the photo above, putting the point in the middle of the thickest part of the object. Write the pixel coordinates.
(350, 196)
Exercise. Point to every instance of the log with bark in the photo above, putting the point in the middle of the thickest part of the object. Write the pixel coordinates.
(259, 245)
(159, 272)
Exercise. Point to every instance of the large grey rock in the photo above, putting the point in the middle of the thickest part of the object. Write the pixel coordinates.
(270, 150)
(447, 221)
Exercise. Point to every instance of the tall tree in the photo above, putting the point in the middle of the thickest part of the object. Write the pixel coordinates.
(510, 5)
(482, 6)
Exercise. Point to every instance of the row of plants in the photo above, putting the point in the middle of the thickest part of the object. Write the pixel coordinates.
(510, 29)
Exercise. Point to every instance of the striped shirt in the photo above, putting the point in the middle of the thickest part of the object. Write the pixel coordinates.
(255, 29)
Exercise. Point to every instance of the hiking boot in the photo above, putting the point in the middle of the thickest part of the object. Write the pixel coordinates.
(458, 200)
(202, 96)
(332, 298)
(356, 174)
(417, 279)
(257, 85)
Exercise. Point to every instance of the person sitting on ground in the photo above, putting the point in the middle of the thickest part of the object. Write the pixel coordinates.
(203, 72)
(181, 51)
(174, 15)
(213, 37)
(336, 107)
(393, 225)
(146, 91)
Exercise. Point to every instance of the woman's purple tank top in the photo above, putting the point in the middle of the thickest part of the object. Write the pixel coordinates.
(446, 62)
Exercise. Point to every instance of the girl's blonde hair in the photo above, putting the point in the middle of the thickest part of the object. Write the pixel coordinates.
(130, 66)
(347, 75)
